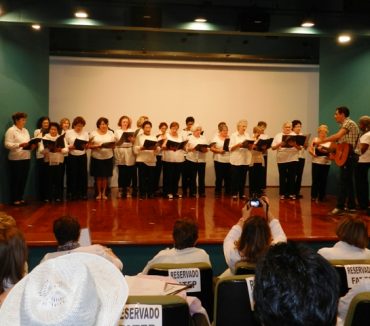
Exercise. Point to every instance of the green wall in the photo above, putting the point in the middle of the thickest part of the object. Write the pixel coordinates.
(24, 86)
(344, 80)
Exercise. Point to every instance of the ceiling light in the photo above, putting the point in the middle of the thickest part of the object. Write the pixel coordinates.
(344, 38)
(200, 19)
(308, 23)
(81, 14)
(36, 27)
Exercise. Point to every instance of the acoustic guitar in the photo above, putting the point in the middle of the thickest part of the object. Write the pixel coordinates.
(341, 152)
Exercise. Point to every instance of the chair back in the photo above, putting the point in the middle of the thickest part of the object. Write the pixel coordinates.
(202, 272)
(359, 310)
(245, 268)
(232, 302)
(171, 309)
(340, 267)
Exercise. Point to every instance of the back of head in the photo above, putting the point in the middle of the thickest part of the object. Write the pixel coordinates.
(13, 256)
(66, 229)
(295, 286)
(185, 233)
(353, 230)
(255, 239)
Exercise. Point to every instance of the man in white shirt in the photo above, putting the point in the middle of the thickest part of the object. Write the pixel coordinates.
(185, 235)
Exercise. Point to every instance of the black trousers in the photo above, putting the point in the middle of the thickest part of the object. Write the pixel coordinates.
(319, 179)
(64, 173)
(77, 176)
(264, 178)
(238, 179)
(298, 175)
(196, 170)
(146, 179)
(223, 177)
(287, 175)
(42, 182)
(53, 181)
(346, 194)
(126, 176)
(185, 177)
(171, 177)
(256, 181)
(362, 184)
(18, 178)
(158, 171)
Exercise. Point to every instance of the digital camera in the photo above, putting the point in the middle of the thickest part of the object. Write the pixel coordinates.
(255, 201)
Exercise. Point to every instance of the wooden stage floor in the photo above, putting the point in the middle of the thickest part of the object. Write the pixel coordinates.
(149, 222)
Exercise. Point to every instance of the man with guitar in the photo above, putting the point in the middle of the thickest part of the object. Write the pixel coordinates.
(347, 134)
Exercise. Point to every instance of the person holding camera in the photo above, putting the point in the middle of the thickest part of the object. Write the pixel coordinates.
(250, 238)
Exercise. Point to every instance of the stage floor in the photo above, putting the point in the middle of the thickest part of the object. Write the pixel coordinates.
(149, 222)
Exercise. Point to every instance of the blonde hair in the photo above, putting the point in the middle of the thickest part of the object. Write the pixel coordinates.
(242, 122)
(287, 123)
(323, 128)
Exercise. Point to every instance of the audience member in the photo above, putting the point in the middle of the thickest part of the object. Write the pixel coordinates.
(251, 236)
(13, 255)
(295, 286)
(78, 289)
(67, 232)
(185, 236)
(344, 302)
(353, 240)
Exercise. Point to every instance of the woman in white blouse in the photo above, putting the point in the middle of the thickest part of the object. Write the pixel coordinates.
(42, 125)
(145, 160)
(17, 138)
(320, 164)
(240, 159)
(162, 135)
(362, 170)
(102, 143)
(124, 155)
(196, 161)
(54, 158)
(172, 159)
(287, 159)
(77, 160)
(250, 238)
(221, 160)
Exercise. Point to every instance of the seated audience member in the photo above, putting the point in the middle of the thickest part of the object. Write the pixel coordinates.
(345, 302)
(67, 232)
(353, 240)
(251, 237)
(295, 286)
(13, 255)
(78, 289)
(185, 236)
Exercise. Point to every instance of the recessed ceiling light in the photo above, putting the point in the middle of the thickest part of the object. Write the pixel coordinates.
(81, 14)
(200, 20)
(344, 38)
(36, 27)
(308, 23)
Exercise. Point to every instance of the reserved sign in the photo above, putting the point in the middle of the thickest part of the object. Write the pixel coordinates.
(187, 276)
(356, 273)
(141, 315)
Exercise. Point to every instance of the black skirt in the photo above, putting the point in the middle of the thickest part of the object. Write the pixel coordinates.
(101, 168)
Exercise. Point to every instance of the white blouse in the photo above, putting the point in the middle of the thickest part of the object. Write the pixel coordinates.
(124, 154)
(98, 139)
(219, 144)
(71, 136)
(239, 156)
(174, 156)
(196, 156)
(13, 138)
(284, 154)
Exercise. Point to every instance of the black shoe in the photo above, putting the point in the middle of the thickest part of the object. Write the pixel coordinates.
(299, 196)
(192, 195)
